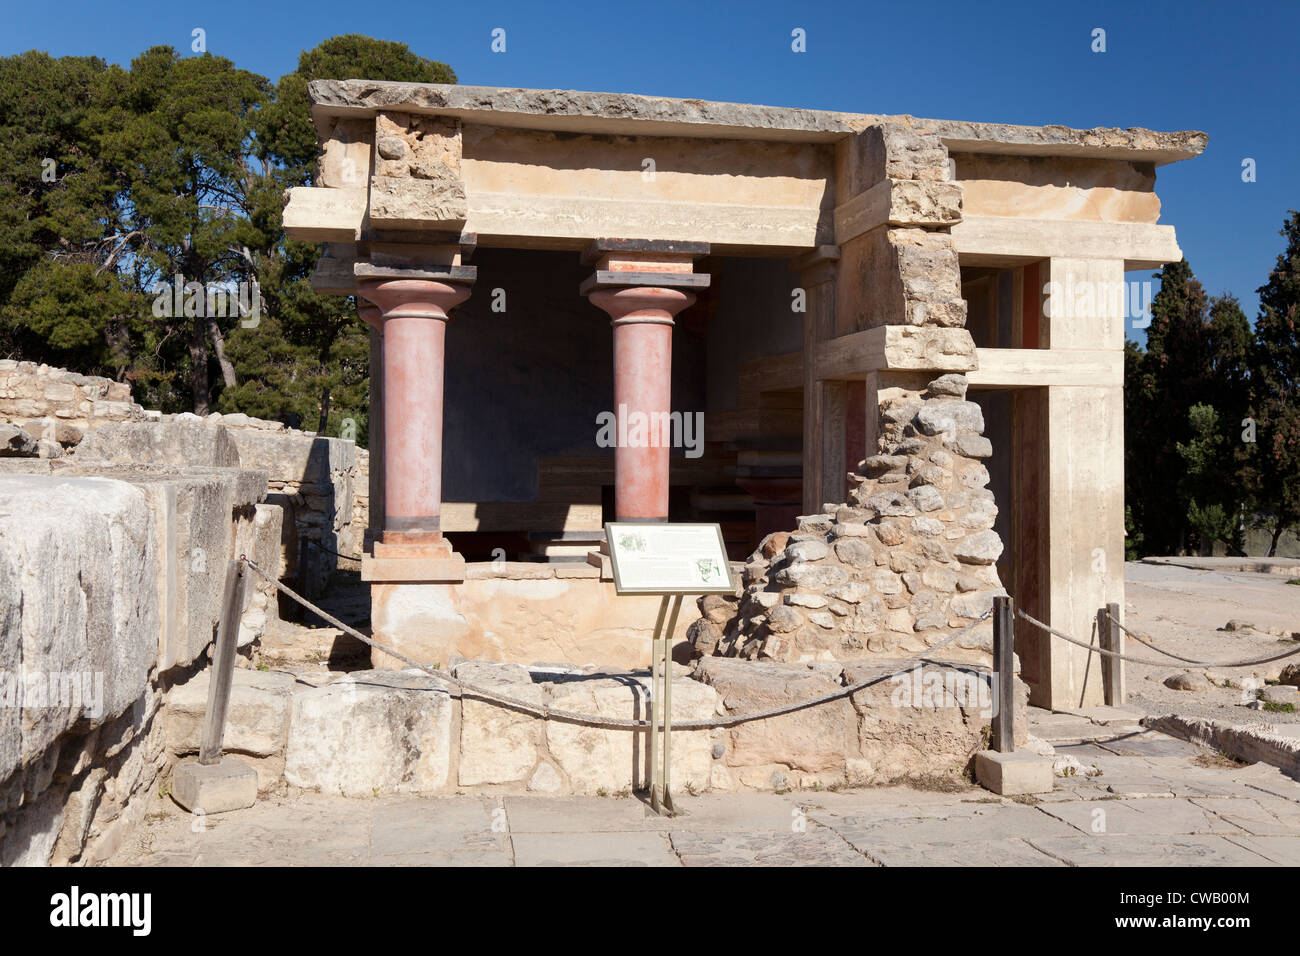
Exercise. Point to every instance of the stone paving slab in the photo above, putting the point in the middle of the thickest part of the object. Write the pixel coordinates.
(1160, 804)
(962, 853)
(604, 848)
(1281, 850)
(1117, 849)
(815, 846)
(1139, 816)
(1258, 816)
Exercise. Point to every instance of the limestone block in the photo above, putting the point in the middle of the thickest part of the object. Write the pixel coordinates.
(177, 442)
(813, 739)
(257, 717)
(96, 637)
(384, 731)
(613, 760)
(498, 744)
(1014, 774)
(437, 202)
(227, 785)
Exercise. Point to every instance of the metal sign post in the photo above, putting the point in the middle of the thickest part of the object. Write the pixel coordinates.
(670, 560)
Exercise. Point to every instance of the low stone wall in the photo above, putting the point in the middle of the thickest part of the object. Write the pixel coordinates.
(59, 406)
(388, 731)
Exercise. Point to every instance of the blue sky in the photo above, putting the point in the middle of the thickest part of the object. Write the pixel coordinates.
(1228, 69)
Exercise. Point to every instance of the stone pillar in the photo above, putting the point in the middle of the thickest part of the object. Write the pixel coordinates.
(642, 285)
(414, 327)
(375, 426)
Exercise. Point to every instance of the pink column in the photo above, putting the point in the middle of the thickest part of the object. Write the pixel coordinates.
(414, 328)
(643, 366)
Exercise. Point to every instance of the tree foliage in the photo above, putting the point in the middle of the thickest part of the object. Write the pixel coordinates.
(120, 187)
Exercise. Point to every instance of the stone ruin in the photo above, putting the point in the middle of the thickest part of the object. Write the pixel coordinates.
(908, 561)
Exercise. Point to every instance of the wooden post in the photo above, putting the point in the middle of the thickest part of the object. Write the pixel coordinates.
(1112, 668)
(1004, 713)
(223, 665)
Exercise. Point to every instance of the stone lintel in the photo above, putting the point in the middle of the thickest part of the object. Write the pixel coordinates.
(606, 279)
(599, 248)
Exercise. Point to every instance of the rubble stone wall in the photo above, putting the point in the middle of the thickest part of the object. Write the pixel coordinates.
(910, 558)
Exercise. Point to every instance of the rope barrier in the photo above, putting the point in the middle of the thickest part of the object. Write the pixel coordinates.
(619, 723)
(1143, 660)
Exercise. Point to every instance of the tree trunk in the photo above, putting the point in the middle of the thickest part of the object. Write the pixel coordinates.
(199, 365)
(1277, 533)
(324, 411)
(219, 349)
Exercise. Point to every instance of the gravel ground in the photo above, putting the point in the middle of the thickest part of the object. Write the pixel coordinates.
(1185, 610)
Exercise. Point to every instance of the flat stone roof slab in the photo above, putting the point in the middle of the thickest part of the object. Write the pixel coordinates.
(631, 114)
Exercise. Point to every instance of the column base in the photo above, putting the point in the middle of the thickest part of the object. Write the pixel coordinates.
(430, 561)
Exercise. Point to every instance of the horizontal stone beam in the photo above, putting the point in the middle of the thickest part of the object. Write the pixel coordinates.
(997, 240)
(898, 348)
(321, 214)
(1020, 368)
(528, 219)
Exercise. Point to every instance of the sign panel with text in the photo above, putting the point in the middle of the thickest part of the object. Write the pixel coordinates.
(661, 558)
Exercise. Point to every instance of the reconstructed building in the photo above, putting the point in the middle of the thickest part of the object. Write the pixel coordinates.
(886, 324)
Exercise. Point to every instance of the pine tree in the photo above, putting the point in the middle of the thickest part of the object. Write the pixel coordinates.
(1276, 372)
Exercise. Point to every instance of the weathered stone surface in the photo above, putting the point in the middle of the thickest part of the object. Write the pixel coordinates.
(595, 759)
(814, 576)
(1186, 681)
(950, 418)
(498, 744)
(181, 441)
(81, 651)
(385, 731)
(982, 548)
(812, 740)
(431, 202)
(16, 443)
(257, 716)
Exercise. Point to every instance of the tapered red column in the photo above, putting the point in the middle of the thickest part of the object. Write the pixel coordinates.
(643, 376)
(642, 284)
(414, 329)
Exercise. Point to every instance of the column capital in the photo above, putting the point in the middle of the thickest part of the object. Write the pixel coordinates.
(370, 314)
(636, 304)
(414, 298)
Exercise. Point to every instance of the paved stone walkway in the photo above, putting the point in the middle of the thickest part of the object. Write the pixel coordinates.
(1158, 801)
